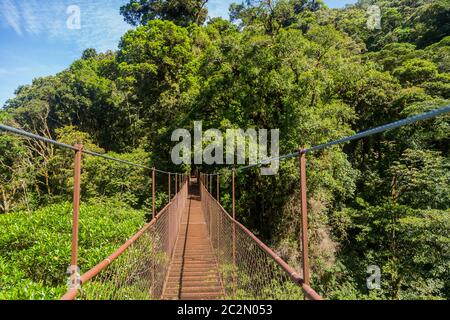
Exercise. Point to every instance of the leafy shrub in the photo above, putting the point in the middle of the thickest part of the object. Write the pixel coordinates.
(35, 248)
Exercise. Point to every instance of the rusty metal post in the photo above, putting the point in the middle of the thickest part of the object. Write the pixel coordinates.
(76, 213)
(234, 230)
(176, 183)
(210, 215)
(170, 187)
(153, 193)
(218, 188)
(219, 223)
(304, 217)
(210, 184)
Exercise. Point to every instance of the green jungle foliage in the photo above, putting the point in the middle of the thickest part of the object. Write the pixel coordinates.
(315, 73)
(35, 247)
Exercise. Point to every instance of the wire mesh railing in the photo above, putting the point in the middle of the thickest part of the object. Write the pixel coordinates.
(249, 269)
(137, 270)
(251, 278)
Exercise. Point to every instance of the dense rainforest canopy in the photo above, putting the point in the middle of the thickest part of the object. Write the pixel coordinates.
(315, 73)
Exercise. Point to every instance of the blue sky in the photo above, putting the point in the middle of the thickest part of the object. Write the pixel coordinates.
(35, 40)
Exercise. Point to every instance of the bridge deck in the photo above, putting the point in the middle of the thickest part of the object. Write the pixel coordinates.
(193, 272)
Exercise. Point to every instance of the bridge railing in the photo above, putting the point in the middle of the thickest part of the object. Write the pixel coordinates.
(138, 269)
(249, 269)
(251, 262)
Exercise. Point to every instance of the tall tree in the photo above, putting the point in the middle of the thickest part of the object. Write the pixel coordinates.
(182, 12)
(272, 14)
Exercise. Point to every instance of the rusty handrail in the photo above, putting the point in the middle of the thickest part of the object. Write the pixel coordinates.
(363, 134)
(86, 277)
(33, 136)
(295, 277)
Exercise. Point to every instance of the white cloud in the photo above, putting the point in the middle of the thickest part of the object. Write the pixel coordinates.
(11, 15)
(101, 24)
(33, 23)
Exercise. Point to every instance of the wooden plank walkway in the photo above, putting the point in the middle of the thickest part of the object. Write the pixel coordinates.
(193, 272)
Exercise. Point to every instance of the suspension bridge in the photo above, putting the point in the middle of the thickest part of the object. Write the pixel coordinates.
(193, 248)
